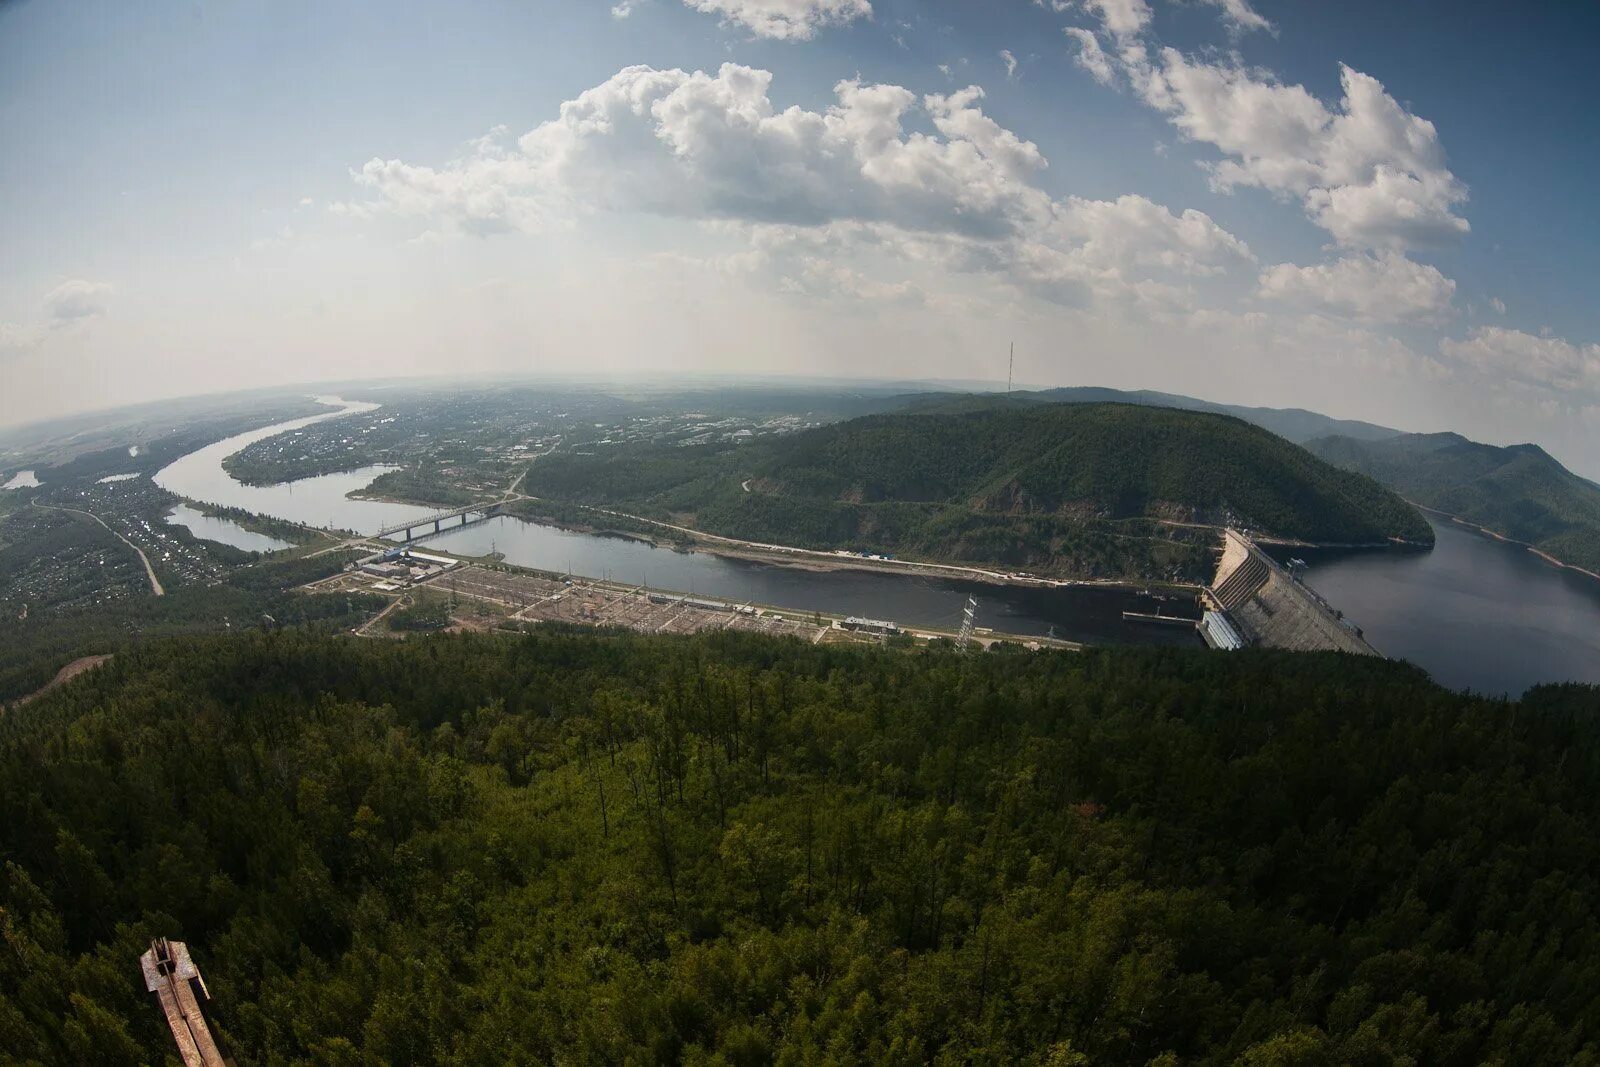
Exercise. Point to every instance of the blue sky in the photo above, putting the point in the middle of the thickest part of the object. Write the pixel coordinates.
(198, 197)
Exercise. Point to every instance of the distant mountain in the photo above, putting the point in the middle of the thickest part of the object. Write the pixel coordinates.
(1294, 424)
(994, 480)
(1518, 491)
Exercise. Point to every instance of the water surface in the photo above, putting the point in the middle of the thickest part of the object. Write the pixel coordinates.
(1077, 613)
(224, 531)
(1474, 612)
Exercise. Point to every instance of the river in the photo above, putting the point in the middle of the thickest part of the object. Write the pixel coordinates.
(1091, 614)
(1474, 612)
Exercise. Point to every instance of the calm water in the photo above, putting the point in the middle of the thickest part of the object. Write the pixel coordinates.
(226, 531)
(1475, 613)
(1074, 613)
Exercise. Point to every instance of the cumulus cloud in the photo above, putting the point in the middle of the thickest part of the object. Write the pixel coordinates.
(713, 148)
(1369, 172)
(1091, 57)
(784, 20)
(1365, 169)
(1498, 305)
(1545, 362)
(75, 300)
(1010, 61)
(1386, 287)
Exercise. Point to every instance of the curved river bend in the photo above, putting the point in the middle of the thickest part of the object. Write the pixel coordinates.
(1090, 614)
(1474, 612)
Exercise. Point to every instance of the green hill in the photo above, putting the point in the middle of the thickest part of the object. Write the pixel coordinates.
(606, 848)
(1294, 424)
(1519, 491)
(1079, 488)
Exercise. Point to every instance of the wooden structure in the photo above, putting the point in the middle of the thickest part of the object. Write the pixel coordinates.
(171, 975)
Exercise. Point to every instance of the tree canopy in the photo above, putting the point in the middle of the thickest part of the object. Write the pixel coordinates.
(585, 846)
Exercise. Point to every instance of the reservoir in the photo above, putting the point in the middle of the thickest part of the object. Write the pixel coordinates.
(1090, 614)
(1475, 613)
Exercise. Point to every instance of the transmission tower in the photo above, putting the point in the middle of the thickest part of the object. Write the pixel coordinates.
(1011, 365)
(969, 617)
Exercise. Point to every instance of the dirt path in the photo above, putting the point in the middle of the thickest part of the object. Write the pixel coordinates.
(149, 571)
(63, 676)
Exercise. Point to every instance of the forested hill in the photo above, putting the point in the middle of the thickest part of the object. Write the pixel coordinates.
(966, 477)
(586, 848)
(1294, 424)
(1520, 491)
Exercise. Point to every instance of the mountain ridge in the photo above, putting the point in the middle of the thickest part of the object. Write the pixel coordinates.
(1519, 492)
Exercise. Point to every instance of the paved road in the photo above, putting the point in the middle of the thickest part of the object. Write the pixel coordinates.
(149, 571)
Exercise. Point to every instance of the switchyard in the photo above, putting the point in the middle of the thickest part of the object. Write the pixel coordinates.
(494, 595)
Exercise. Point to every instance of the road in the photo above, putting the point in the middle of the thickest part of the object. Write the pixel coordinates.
(840, 559)
(149, 571)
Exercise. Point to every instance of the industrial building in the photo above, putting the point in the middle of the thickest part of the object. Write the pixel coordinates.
(1219, 632)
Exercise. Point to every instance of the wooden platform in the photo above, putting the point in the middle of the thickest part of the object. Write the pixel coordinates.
(171, 975)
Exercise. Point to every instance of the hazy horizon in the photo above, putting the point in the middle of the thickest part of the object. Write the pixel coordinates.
(1243, 201)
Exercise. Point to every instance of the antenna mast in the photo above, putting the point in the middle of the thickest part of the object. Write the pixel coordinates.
(1011, 366)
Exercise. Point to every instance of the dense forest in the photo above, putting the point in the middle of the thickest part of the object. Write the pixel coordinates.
(1519, 491)
(596, 847)
(1085, 489)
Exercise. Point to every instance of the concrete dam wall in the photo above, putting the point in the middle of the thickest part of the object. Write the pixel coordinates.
(1270, 608)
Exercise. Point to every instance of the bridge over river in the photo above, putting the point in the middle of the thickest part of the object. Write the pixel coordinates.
(442, 521)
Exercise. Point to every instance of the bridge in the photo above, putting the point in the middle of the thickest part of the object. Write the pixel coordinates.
(470, 515)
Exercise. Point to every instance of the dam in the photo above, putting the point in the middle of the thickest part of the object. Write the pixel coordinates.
(1269, 607)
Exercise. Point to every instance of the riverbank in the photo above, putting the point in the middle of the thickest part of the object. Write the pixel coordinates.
(820, 561)
(1503, 539)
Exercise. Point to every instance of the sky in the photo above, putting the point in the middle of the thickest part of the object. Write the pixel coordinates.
(1376, 210)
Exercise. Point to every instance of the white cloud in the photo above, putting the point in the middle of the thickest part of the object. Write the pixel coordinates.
(624, 8)
(1239, 16)
(1498, 305)
(1123, 19)
(714, 149)
(1091, 57)
(75, 300)
(785, 20)
(67, 305)
(1386, 287)
(1369, 172)
(1545, 362)
(1010, 61)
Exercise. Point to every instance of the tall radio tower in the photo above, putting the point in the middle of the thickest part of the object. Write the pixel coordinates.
(1011, 365)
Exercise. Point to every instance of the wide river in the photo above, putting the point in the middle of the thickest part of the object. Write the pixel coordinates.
(1075, 613)
(1474, 612)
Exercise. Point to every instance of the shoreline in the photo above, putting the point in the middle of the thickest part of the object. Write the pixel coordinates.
(821, 561)
(1560, 564)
